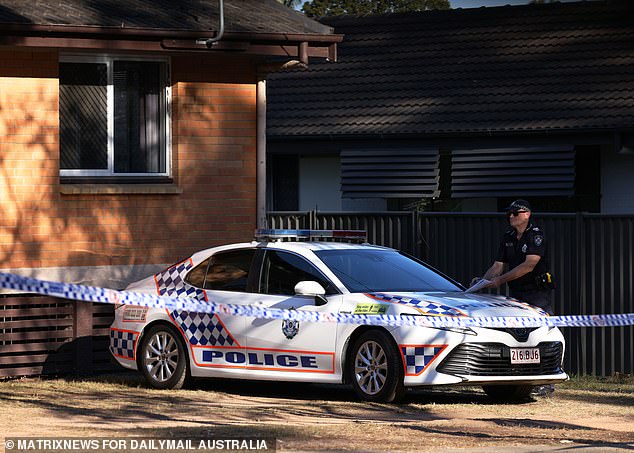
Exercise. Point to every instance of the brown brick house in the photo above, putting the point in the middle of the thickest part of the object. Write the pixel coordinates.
(126, 142)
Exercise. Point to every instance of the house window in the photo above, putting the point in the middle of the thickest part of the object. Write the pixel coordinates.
(114, 117)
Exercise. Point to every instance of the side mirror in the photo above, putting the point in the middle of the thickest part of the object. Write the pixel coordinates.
(311, 288)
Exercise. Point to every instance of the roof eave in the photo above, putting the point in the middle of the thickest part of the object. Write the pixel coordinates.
(580, 131)
(298, 45)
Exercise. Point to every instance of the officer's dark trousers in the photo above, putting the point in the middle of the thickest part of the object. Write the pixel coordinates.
(537, 297)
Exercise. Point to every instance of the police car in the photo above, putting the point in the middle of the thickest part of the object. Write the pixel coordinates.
(170, 346)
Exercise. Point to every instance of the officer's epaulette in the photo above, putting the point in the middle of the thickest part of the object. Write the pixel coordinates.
(510, 232)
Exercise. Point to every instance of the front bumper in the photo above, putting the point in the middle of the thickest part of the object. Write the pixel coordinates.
(494, 359)
(481, 356)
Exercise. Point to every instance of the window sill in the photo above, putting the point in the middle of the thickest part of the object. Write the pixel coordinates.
(119, 189)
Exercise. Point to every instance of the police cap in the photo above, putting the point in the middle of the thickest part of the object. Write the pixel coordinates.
(519, 205)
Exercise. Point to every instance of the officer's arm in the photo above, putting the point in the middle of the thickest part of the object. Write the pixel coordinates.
(496, 269)
(528, 265)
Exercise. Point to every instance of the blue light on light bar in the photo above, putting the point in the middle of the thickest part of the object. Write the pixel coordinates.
(265, 233)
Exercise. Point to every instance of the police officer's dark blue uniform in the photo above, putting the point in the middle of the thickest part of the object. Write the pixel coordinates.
(532, 287)
(523, 250)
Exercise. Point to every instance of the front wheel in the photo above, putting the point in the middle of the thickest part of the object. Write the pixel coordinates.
(163, 358)
(375, 368)
(508, 393)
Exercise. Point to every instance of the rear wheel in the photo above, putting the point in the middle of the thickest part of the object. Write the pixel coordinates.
(163, 358)
(375, 368)
(508, 393)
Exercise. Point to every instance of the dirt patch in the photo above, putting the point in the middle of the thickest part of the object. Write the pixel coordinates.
(581, 414)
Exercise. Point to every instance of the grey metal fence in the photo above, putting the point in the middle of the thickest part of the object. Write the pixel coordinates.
(591, 256)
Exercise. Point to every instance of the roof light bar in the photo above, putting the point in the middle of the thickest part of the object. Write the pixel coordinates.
(265, 233)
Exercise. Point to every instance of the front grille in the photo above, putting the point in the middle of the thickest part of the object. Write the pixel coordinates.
(494, 359)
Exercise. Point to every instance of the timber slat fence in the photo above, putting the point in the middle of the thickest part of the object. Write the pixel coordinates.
(45, 335)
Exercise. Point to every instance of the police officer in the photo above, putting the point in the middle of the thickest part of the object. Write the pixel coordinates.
(523, 251)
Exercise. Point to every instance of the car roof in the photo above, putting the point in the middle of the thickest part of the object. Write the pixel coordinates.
(318, 245)
(302, 247)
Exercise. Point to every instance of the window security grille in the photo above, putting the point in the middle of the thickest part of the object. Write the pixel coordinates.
(113, 118)
(83, 108)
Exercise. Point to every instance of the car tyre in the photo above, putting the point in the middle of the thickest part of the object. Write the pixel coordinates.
(163, 357)
(375, 368)
(508, 393)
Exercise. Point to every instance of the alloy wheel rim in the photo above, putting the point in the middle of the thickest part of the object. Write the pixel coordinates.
(161, 356)
(370, 367)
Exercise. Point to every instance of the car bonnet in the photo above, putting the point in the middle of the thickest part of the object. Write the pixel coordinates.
(458, 304)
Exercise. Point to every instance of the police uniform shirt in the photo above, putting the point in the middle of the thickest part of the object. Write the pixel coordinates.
(513, 251)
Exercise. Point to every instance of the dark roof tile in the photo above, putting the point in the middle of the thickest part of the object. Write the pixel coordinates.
(253, 16)
(515, 68)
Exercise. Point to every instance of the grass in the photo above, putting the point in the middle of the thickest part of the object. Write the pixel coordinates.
(584, 411)
(619, 383)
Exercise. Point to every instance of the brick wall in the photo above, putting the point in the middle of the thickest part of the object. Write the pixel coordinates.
(214, 167)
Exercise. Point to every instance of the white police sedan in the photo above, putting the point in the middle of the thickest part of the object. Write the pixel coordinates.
(379, 362)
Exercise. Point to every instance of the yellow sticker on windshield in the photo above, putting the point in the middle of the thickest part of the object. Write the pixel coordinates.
(370, 309)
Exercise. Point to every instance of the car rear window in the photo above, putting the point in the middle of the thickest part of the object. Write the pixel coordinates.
(225, 271)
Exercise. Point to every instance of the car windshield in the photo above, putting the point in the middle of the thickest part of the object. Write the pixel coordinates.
(376, 270)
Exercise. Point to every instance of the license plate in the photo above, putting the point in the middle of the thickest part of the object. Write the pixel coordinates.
(524, 355)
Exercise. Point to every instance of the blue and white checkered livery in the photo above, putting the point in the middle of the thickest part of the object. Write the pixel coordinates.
(540, 311)
(122, 343)
(171, 282)
(417, 357)
(428, 307)
(202, 329)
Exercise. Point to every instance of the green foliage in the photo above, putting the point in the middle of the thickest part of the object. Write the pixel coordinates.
(319, 8)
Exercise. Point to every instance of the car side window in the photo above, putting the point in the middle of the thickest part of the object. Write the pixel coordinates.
(225, 271)
(281, 271)
(196, 276)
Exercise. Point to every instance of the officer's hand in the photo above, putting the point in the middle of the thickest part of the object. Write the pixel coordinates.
(474, 280)
(495, 283)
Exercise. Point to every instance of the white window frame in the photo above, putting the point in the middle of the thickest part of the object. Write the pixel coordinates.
(166, 110)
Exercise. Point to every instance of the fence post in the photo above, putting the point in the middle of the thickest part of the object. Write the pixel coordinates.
(414, 235)
(581, 279)
(82, 337)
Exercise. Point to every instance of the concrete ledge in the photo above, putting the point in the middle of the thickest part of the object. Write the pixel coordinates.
(116, 189)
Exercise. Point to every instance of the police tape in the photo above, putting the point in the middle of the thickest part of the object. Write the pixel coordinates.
(111, 296)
